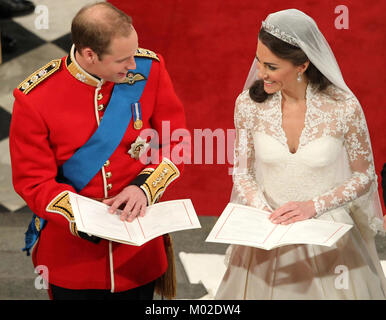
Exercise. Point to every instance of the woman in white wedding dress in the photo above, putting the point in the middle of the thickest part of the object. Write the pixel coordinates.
(303, 151)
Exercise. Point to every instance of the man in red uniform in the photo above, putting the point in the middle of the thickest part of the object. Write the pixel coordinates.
(57, 110)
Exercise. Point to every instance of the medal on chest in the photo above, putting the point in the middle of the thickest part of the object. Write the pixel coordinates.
(137, 115)
(138, 148)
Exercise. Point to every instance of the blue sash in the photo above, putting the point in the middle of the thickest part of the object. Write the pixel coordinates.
(85, 163)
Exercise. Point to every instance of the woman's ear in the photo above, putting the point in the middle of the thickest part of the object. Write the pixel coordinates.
(303, 67)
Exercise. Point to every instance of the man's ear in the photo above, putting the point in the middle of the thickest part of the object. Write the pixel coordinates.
(89, 55)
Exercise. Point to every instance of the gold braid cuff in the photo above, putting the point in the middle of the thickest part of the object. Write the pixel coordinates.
(159, 179)
(61, 205)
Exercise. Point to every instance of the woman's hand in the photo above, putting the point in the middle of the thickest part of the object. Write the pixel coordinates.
(293, 211)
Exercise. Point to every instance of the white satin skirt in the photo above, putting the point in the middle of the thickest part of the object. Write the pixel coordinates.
(350, 269)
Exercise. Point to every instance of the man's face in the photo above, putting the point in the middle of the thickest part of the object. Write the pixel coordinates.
(114, 65)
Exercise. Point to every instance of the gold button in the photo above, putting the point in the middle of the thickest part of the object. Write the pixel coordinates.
(100, 96)
(109, 186)
(108, 175)
(101, 107)
(107, 163)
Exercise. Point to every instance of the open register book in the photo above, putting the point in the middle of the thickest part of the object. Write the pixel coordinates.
(92, 217)
(249, 226)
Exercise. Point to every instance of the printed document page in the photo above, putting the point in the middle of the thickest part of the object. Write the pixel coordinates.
(92, 217)
(249, 226)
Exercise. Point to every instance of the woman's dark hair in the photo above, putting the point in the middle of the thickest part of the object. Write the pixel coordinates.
(291, 53)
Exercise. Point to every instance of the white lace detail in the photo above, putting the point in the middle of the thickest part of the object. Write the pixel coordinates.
(334, 123)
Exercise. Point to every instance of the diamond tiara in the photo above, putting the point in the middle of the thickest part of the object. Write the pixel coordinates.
(276, 32)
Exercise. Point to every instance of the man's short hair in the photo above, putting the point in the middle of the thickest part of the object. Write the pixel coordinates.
(96, 29)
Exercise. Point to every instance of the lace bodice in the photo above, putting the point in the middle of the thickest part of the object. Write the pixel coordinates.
(266, 173)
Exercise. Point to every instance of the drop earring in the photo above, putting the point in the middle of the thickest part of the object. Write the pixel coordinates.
(299, 78)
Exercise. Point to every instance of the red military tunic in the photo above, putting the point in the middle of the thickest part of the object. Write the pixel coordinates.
(56, 111)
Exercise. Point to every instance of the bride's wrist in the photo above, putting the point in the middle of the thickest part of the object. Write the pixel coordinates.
(317, 208)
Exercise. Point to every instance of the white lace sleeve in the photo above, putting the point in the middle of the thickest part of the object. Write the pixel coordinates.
(357, 143)
(244, 180)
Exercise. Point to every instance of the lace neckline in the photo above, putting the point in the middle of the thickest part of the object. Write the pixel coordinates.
(278, 104)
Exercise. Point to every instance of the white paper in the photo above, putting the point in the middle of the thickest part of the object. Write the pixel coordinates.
(249, 226)
(92, 217)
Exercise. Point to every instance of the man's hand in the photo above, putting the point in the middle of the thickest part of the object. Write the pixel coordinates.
(134, 201)
(293, 211)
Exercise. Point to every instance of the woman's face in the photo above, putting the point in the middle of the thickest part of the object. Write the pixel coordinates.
(277, 73)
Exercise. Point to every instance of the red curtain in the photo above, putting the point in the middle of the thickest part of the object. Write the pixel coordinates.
(209, 46)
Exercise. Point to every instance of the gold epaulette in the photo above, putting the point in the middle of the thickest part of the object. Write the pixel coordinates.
(146, 53)
(159, 179)
(38, 76)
